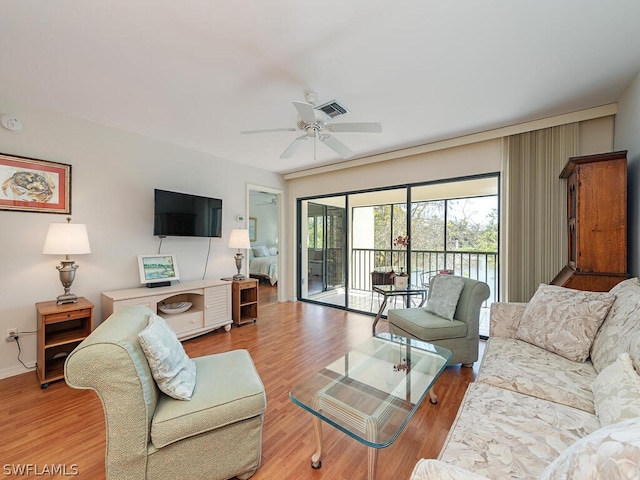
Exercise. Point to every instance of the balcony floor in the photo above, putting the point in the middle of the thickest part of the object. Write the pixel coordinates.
(369, 302)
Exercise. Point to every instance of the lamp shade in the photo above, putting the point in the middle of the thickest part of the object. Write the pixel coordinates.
(239, 238)
(66, 239)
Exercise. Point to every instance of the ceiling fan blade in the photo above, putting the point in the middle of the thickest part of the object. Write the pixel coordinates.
(267, 130)
(306, 111)
(365, 127)
(291, 149)
(337, 146)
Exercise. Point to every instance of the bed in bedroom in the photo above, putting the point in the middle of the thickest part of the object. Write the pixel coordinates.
(263, 263)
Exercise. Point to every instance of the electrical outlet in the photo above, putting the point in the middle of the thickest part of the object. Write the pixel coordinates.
(11, 334)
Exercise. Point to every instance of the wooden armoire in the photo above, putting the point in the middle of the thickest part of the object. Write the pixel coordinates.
(597, 222)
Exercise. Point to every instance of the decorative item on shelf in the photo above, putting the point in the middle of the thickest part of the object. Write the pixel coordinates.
(239, 239)
(403, 366)
(158, 270)
(171, 308)
(401, 279)
(67, 239)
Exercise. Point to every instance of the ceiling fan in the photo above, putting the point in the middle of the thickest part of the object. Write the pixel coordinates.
(273, 201)
(314, 122)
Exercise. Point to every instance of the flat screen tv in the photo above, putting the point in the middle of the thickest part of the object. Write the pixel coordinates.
(184, 215)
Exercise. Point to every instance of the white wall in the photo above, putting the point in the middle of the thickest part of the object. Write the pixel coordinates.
(627, 137)
(113, 177)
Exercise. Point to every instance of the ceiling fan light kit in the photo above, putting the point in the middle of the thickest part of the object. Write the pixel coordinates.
(314, 120)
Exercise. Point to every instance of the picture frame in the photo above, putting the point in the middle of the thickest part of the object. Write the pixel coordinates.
(159, 267)
(32, 185)
(253, 229)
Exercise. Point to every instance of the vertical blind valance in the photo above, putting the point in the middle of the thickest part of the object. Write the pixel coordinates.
(534, 208)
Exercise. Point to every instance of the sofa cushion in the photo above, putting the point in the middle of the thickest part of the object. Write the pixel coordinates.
(620, 332)
(429, 469)
(444, 293)
(525, 368)
(228, 390)
(425, 325)
(611, 453)
(173, 371)
(503, 434)
(564, 321)
(616, 391)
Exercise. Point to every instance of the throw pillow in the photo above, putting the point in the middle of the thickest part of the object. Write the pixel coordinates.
(260, 251)
(444, 295)
(618, 331)
(616, 391)
(612, 453)
(173, 371)
(564, 321)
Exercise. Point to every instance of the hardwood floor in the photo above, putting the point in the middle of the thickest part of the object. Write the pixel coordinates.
(290, 341)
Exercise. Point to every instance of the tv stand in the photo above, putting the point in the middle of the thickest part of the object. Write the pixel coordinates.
(159, 284)
(210, 299)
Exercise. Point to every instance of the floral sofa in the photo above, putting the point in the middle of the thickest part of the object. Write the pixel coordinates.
(557, 395)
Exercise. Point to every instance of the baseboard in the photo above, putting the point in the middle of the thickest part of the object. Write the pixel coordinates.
(16, 370)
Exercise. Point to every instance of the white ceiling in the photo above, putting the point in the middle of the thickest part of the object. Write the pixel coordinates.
(197, 72)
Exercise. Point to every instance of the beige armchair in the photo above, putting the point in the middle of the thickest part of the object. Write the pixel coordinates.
(215, 435)
(459, 335)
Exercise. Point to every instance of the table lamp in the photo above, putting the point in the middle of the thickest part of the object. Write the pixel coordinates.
(66, 239)
(239, 239)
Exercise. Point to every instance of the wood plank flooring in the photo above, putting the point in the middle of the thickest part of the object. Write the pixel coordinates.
(290, 341)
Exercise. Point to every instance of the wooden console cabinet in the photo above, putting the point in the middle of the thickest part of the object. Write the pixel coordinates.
(244, 300)
(61, 328)
(597, 222)
(211, 305)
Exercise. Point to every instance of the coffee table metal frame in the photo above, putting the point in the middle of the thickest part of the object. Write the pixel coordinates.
(372, 392)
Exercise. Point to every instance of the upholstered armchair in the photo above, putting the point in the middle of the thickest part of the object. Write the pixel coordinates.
(459, 333)
(150, 435)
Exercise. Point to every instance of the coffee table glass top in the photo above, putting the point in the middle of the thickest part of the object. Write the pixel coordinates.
(372, 392)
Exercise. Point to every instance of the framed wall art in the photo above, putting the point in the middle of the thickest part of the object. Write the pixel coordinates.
(31, 185)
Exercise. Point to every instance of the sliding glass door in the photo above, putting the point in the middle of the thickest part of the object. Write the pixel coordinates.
(351, 242)
(323, 250)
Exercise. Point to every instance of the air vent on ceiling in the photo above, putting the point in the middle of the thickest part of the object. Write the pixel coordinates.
(332, 108)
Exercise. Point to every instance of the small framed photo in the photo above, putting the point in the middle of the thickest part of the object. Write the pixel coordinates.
(30, 185)
(158, 268)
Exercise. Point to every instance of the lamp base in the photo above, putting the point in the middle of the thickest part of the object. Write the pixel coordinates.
(66, 298)
(239, 277)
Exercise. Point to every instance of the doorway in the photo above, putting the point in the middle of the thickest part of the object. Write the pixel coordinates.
(264, 221)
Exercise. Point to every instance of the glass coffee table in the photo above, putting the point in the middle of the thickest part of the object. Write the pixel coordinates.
(372, 392)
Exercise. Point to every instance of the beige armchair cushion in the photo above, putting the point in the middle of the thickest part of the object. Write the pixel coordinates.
(228, 390)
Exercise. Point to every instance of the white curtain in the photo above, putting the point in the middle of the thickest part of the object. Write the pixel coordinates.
(534, 210)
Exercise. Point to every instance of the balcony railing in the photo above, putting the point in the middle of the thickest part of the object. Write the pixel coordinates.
(481, 266)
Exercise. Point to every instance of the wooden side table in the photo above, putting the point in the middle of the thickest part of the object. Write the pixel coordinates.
(244, 300)
(61, 328)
